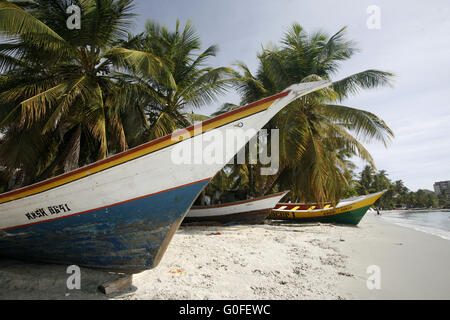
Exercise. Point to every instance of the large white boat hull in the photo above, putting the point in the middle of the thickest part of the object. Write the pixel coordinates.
(120, 213)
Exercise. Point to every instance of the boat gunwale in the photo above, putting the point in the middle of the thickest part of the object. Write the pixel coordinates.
(240, 201)
(122, 154)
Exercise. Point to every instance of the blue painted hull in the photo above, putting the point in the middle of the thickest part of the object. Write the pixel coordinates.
(128, 237)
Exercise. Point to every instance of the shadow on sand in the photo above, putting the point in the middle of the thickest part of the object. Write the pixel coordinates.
(32, 280)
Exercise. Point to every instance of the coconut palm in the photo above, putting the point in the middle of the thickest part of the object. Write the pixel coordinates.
(63, 100)
(366, 180)
(317, 133)
(192, 83)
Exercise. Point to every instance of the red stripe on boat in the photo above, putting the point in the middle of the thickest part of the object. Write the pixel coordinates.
(140, 147)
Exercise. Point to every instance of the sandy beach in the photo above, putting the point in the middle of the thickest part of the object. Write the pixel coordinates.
(271, 261)
(413, 264)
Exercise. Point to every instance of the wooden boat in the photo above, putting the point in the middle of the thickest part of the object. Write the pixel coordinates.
(120, 213)
(347, 211)
(252, 211)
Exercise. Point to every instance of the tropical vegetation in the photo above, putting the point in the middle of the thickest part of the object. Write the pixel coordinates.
(397, 194)
(69, 97)
(318, 135)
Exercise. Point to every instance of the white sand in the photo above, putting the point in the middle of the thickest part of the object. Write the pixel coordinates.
(246, 262)
(273, 261)
(412, 264)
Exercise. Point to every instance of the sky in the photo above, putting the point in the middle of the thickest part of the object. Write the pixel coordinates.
(412, 41)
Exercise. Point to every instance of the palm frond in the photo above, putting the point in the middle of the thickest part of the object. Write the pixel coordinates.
(367, 79)
(364, 123)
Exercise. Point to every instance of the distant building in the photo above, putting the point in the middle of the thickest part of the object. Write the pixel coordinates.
(442, 187)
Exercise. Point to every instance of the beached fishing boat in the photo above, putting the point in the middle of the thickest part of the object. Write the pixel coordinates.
(347, 211)
(120, 213)
(252, 211)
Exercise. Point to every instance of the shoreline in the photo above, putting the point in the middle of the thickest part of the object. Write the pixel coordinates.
(417, 220)
(412, 264)
(280, 261)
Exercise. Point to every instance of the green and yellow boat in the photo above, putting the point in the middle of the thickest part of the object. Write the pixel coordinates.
(347, 211)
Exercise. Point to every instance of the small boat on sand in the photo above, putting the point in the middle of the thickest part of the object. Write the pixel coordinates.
(347, 211)
(252, 211)
(120, 213)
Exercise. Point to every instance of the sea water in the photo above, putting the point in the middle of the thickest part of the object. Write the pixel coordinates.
(432, 222)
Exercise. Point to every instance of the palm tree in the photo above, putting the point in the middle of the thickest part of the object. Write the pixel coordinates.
(366, 180)
(63, 100)
(192, 84)
(400, 191)
(317, 134)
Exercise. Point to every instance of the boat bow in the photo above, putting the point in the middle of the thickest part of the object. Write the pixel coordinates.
(121, 212)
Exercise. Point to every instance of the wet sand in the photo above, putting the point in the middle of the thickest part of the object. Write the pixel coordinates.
(412, 264)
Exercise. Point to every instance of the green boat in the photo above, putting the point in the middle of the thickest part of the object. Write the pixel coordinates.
(347, 211)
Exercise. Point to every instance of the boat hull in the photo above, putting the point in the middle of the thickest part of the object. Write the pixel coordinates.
(249, 217)
(351, 217)
(348, 211)
(127, 237)
(252, 211)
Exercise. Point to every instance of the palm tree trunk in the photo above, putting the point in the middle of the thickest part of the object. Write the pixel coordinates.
(271, 181)
(250, 180)
(73, 153)
(202, 197)
(68, 157)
